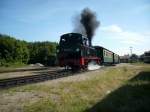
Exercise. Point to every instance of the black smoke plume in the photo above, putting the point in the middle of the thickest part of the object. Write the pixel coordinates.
(87, 24)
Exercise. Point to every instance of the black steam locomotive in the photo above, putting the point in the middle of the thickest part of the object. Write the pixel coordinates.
(74, 51)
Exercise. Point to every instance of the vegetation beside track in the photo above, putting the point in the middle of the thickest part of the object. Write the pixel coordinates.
(12, 68)
(120, 88)
(14, 52)
(20, 69)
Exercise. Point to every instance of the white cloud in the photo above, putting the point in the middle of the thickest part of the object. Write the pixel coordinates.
(122, 50)
(112, 28)
(126, 37)
(119, 40)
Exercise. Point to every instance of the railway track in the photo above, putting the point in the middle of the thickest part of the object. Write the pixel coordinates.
(11, 82)
(23, 69)
(50, 75)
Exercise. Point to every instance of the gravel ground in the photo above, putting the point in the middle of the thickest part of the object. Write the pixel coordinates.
(14, 100)
(36, 72)
(26, 73)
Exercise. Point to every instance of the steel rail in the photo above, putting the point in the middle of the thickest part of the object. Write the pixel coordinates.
(11, 82)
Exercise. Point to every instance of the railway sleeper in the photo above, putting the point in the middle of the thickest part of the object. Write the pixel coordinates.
(20, 82)
(10, 83)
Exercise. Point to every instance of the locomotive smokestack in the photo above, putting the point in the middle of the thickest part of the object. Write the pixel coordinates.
(90, 23)
(86, 24)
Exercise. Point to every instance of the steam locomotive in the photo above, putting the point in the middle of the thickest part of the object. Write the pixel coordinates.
(74, 51)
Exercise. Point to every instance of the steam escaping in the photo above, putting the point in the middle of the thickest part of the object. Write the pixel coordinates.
(86, 24)
(93, 66)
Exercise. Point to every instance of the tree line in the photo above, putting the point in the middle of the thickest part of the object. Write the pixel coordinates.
(14, 51)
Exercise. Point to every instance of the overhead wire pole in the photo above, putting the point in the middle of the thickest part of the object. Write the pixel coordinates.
(131, 54)
(131, 50)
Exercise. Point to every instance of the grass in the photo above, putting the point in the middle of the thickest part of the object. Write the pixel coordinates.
(133, 96)
(116, 89)
(140, 64)
(12, 66)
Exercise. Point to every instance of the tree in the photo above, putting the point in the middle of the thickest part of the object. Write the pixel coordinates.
(42, 52)
(134, 58)
(12, 50)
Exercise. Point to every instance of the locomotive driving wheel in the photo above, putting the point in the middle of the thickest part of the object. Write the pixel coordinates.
(75, 68)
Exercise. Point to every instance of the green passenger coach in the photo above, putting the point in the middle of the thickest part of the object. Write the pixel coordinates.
(105, 55)
(116, 58)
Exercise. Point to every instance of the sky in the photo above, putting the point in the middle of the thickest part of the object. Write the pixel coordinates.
(124, 23)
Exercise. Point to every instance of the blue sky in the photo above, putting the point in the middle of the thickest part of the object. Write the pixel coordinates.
(124, 23)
